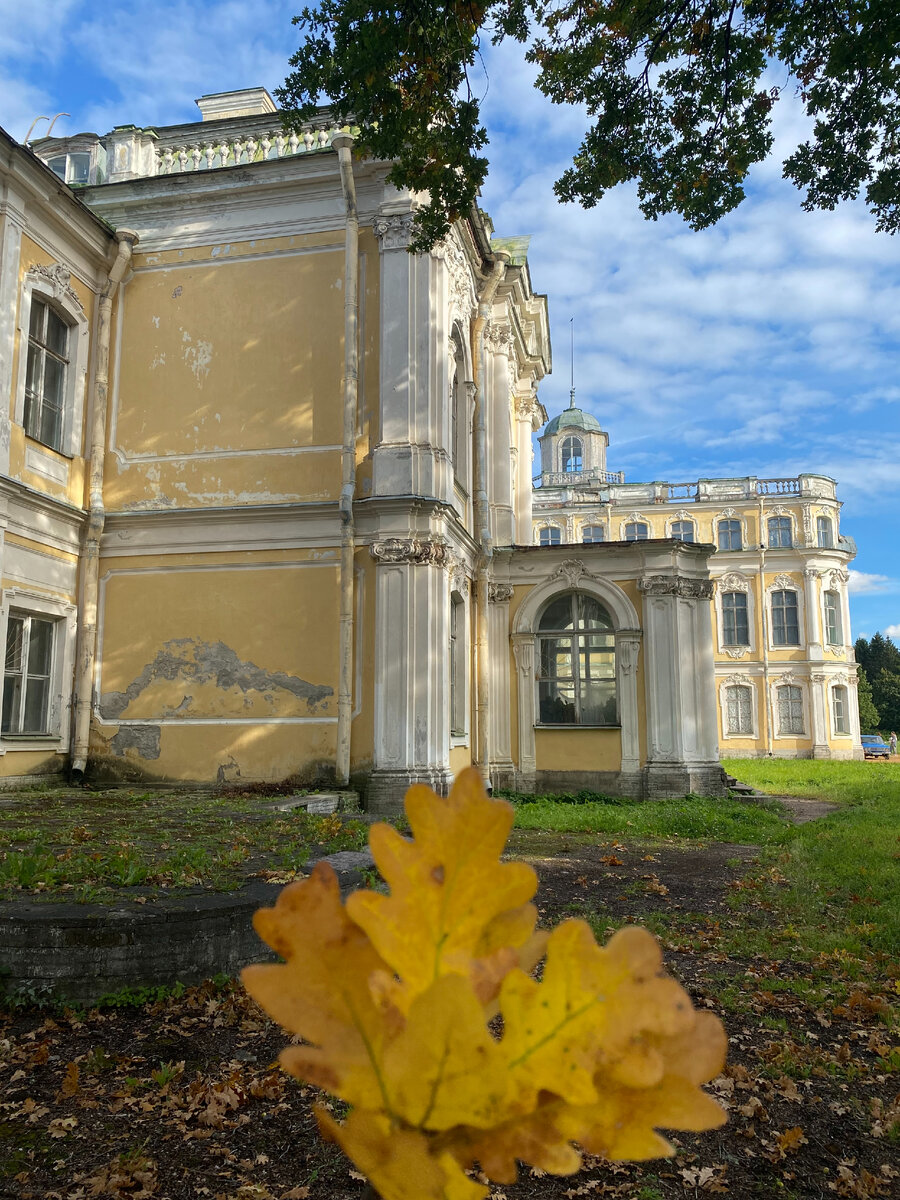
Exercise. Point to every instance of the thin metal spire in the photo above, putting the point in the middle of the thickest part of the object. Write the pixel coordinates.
(572, 356)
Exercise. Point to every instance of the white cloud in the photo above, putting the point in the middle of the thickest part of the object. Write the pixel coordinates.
(891, 631)
(862, 583)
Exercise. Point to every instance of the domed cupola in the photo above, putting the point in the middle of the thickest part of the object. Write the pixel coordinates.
(573, 445)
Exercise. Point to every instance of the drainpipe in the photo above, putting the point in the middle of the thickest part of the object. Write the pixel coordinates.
(87, 637)
(482, 515)
(343, 143)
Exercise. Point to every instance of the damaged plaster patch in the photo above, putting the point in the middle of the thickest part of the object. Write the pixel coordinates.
(203, 662)
(142, 738)
(198, 357)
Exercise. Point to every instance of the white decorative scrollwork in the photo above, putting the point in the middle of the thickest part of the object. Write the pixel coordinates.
(676, 585)
(782, 583)
(409, 550)
(571, 571)
(733, 582)
(56, 280)
(462, 288)
(500, 593)
(394, 231)
(736, 651)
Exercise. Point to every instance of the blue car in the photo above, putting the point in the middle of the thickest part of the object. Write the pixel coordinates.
(874, 747)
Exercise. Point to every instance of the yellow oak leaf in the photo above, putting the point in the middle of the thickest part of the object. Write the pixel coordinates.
(447, 885)
(445, 1068)
(401, 1164)
(321, 991)
(533, 1137)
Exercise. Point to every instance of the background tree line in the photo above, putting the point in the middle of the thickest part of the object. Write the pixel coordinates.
(879, 684)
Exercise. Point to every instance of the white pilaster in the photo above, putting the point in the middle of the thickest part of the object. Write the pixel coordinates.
(628, 646)
(818, 696)
(499, 595)
(12, 220)
(523, 650)
(500, 437)
(522, 535)
(814, 638)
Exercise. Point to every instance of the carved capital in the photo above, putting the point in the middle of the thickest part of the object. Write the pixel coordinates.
(56, 281)
(676, 585)
(811, 573)
(394, 231)
(524, 407)
(499, 338)
(409, 550)
(499, 593)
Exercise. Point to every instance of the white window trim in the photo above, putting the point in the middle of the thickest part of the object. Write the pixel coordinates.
(549, 525)
(790, 681)
(739, 681)
(51, 284)
(679, 517)
(734, 581)
(781, 514)
(729, 514)
(784, 583)
(635, 518)
(588, 524)
(32, 604)
(845, 733)
(823, 616)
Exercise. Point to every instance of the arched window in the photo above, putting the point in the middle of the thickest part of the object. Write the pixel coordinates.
(45, 376)
(572, 454)
(593, 533)
(683, 530)
(839, 709)
(576, 658)
(550, 536)
(824, 531)
(833, 632)
(636, 531)
(459, 416)
(730, 535)
(738, 710)
(780, 533)
(790, 710)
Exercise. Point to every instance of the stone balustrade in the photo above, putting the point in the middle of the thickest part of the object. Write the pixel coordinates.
(195, 154)
(609, 487)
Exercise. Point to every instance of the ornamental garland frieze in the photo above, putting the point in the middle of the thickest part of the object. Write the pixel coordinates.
(409, 550)
(394, 231)
(56, 280)
(676, 585)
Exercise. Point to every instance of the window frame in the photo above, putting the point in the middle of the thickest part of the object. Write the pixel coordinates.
(577, 634)
(458, 703)
(785, 645)
(740, 534)
(791, 685)
(844, 699)
(734, 581)
(734, 685)
(18, 602)
(680, 536)
(824, 532)
(727, 610)
(832, 605)
(571, 440)
(549, 530)
(593, 541)
(783, 520)
(644, 537)
(51, 286)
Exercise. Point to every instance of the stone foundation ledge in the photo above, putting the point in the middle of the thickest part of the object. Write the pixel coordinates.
(80, 952)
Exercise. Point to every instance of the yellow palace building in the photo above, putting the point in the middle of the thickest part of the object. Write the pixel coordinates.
(267, 509)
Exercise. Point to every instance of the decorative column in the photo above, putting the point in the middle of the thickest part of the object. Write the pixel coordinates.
(498, 342)
(523, 650)
(501, 764)
(404, 459)
(818, 702)
(814, 637)
(412, 721)
(853, 694)
(628, 648)
(682, 732)
(525, 417)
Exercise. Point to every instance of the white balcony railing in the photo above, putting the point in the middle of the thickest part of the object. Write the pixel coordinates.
(196, 154)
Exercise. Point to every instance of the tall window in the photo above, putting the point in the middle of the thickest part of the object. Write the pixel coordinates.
(26, 679)
(780, 533)
(550, 536)
(833, 633)
(738, 710)
(790, 710)
(576, 655)
(839, 709)
(636, 531)
(457, 665)
(593, 533)
(45, 378)
(683, 530)
(454, 421)
(730, 535)
(785, 625)
(571, 454)
(735, 626)
(825, 534)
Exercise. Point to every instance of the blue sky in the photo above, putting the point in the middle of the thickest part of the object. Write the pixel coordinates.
(768, 345)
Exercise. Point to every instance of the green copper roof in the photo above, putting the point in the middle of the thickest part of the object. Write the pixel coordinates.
(515, 247)
(573, 418)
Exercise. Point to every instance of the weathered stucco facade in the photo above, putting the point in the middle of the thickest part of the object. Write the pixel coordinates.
(280, 521)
